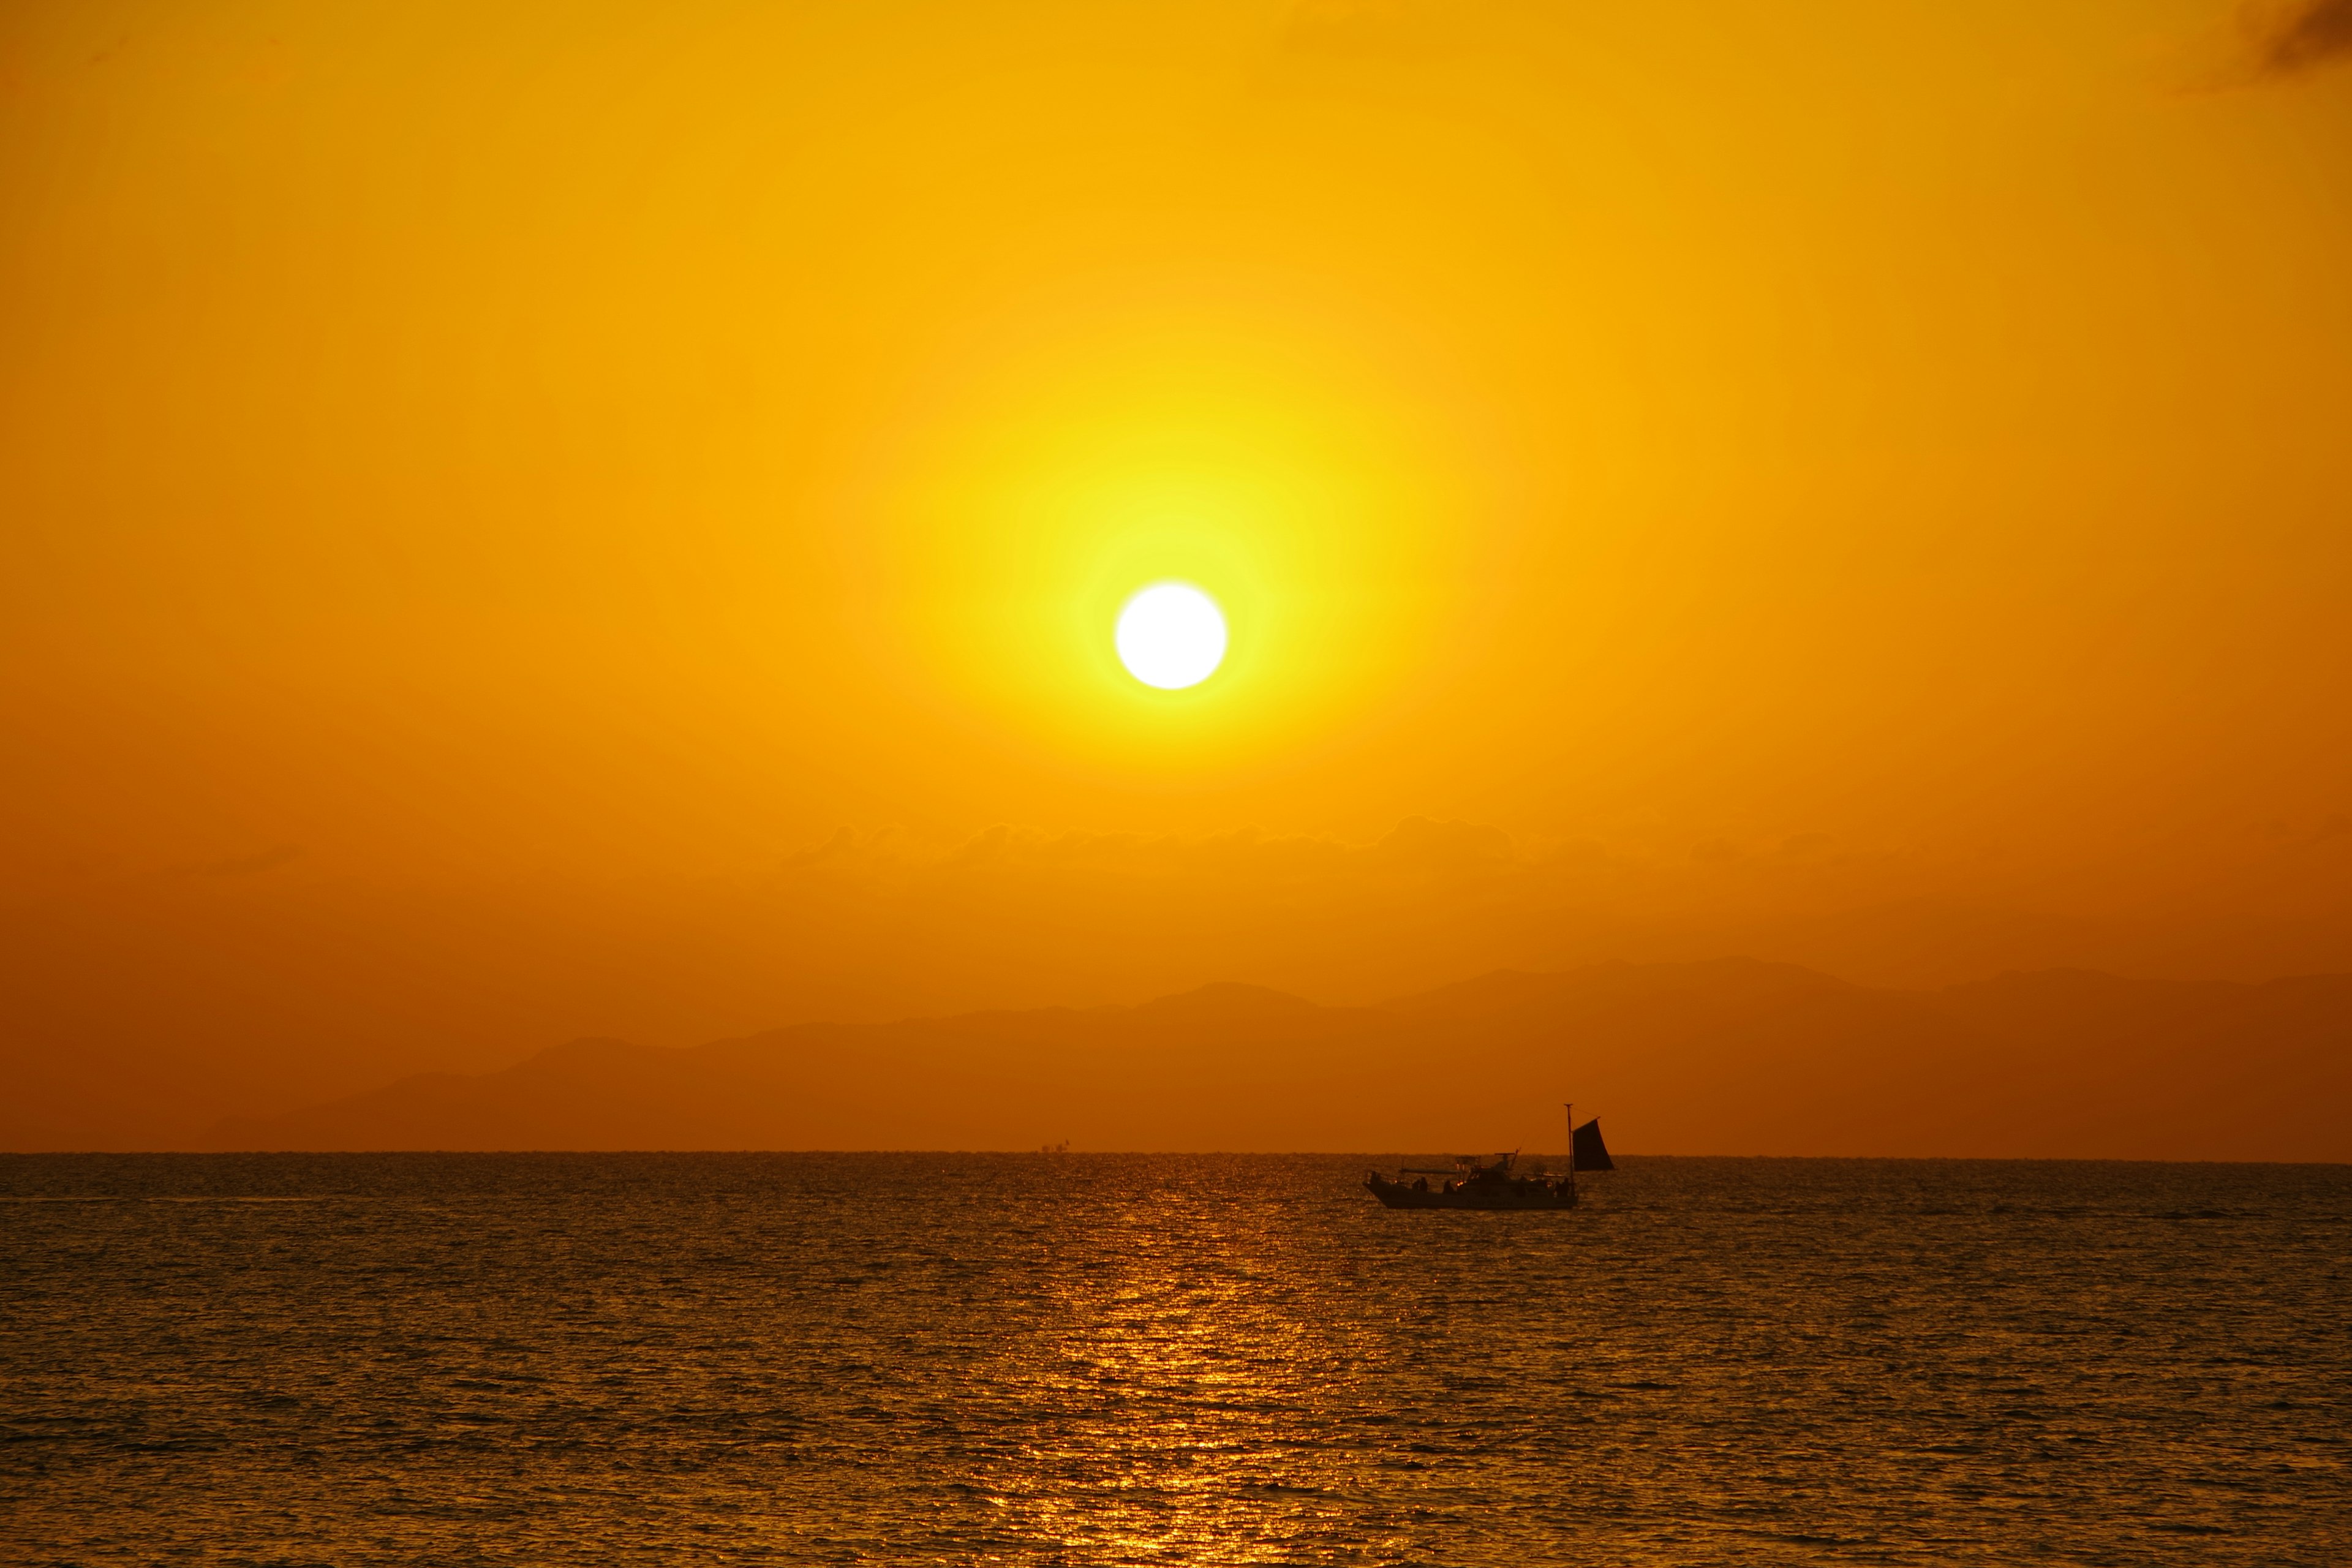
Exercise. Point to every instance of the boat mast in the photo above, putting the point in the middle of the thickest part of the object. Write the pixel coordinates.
(1570, 1106)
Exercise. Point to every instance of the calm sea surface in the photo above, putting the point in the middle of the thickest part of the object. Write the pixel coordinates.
(684, 1359)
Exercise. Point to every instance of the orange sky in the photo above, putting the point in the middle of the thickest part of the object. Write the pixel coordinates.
(534, 519)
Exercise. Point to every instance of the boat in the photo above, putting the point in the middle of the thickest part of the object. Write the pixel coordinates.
(1476, 1183)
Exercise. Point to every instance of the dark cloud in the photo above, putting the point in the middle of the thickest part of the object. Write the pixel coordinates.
(2298, 37)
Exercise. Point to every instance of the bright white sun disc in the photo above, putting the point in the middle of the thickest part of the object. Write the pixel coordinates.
(1172, 636)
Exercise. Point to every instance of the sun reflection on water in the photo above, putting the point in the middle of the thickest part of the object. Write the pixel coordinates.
(1174, 1396)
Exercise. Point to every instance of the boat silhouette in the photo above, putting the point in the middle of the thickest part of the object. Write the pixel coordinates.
(1477, 1182)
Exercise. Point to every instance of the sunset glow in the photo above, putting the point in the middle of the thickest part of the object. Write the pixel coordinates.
(899, 780)
(534, 524)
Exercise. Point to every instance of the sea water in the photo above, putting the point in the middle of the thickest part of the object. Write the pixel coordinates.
(1106, 1359)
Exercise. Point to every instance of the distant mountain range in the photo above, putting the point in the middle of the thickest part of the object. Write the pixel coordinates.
(1729, 1058)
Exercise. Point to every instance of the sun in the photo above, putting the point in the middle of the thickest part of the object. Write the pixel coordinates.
(1171, 635)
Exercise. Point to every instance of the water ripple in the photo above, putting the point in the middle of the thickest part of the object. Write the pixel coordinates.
(644, 1359)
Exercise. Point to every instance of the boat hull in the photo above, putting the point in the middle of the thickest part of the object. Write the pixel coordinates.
(1507, 1195)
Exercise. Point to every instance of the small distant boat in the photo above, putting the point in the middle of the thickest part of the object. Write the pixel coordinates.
(1475, 1182)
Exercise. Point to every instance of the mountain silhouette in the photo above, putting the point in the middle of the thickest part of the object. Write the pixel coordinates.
(1732, 1057)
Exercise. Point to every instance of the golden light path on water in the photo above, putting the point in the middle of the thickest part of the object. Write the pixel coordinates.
(1185, 1377)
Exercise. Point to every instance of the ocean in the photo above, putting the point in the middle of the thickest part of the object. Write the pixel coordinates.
(1151, 1359)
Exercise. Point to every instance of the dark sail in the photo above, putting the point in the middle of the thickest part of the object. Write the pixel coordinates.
(1591, 1153)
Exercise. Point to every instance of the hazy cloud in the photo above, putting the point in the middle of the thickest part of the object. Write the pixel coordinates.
(1714, 852)
(1419, 852)
(1419, 845)
(243, 865)
(1409, 30)
(1416, 847)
